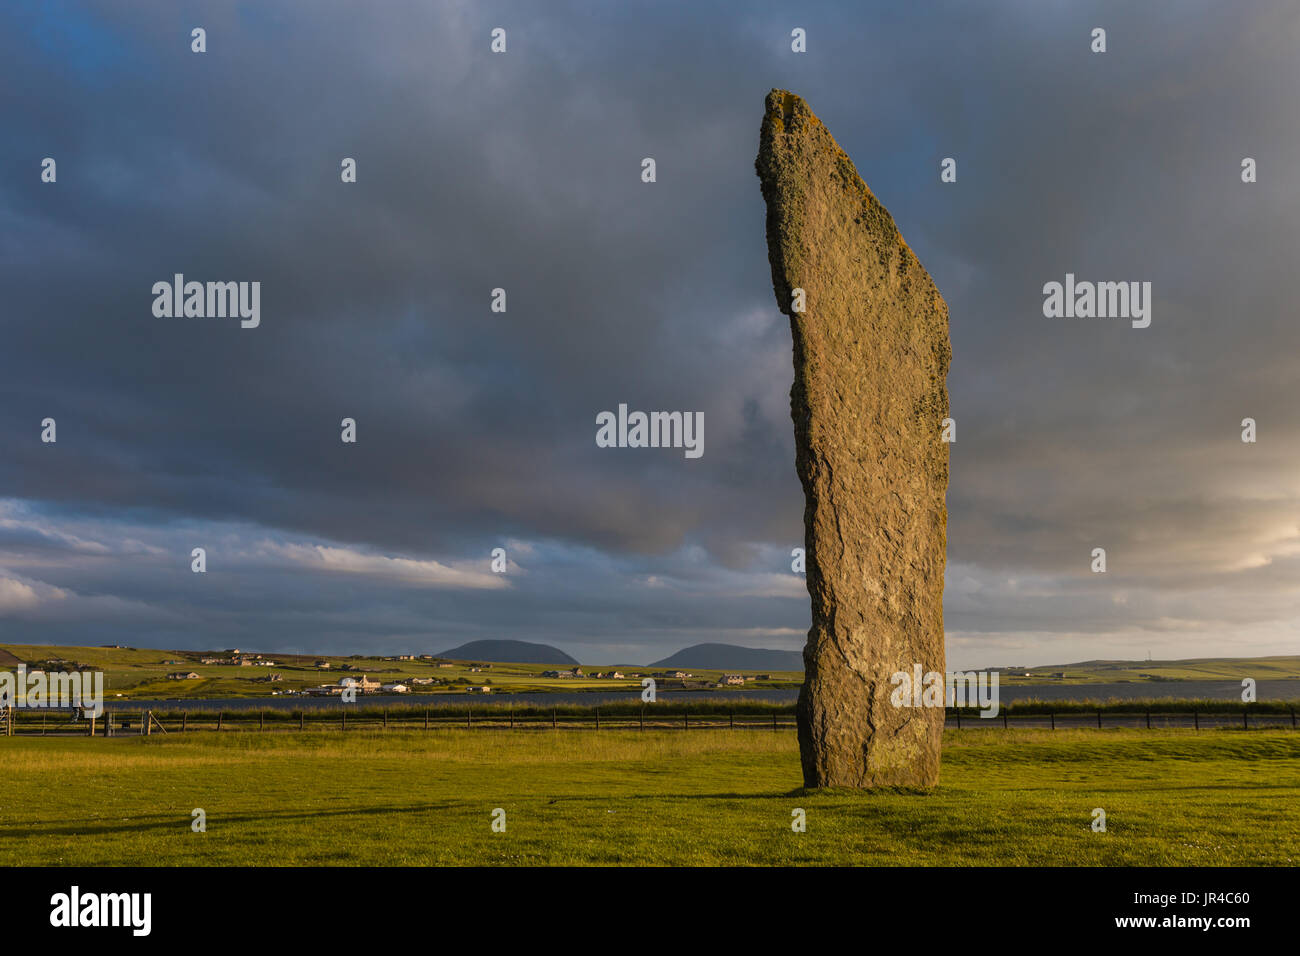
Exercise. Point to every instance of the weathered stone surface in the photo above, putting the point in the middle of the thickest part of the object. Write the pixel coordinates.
(871, 355)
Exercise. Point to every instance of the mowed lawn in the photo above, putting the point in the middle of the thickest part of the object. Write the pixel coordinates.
(654, 798)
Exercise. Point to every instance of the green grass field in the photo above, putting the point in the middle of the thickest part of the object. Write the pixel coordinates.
(654, 798)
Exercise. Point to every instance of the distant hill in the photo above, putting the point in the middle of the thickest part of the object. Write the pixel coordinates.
(1198, 668)
(720, 657)
(509, 652)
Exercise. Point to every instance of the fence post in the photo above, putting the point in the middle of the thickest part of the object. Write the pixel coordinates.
(1245, 719)
(219, 716)
(1196, 721)
(957, 713)
(1053, 720)
(261, 720)
(146, 723)
(345, 719)
(1148, 718)
(42, 723)
(512, 715)
(1004, 718)
(554, 720)
(426, 718)
(1293, 718)
(185, 716)
(1099, 718)
(598, 718)
(385, 718)
(469, 716)
(92, 725)
(642, 720)
(686, 720)
(773, 721)
(302, 716)
(731, 719)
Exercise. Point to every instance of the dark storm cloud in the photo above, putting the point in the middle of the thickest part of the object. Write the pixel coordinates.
(521, 171)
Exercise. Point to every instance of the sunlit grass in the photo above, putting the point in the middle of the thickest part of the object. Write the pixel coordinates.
(658, 797)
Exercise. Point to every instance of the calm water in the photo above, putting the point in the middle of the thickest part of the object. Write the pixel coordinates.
(1201, 689)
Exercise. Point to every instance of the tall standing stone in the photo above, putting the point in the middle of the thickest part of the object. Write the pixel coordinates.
(871, 355)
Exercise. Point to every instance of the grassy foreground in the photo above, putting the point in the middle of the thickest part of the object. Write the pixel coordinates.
(581, 797)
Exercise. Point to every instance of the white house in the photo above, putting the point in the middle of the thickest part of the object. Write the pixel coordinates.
(365, 684)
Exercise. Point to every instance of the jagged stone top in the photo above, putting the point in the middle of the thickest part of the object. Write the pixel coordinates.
(793, 142)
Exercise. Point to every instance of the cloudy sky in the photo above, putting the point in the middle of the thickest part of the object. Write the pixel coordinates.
(522, 171)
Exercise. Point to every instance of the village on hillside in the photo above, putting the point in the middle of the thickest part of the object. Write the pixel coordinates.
(141, 673)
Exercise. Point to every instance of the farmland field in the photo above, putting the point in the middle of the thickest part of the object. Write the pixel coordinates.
(142, 673)
(585, 797)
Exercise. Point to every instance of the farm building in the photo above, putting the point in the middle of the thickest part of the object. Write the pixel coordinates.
(365, 684)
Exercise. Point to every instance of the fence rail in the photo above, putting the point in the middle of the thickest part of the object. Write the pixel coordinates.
(117, 723)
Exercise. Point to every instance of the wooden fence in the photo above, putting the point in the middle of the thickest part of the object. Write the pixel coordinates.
(119, 723)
